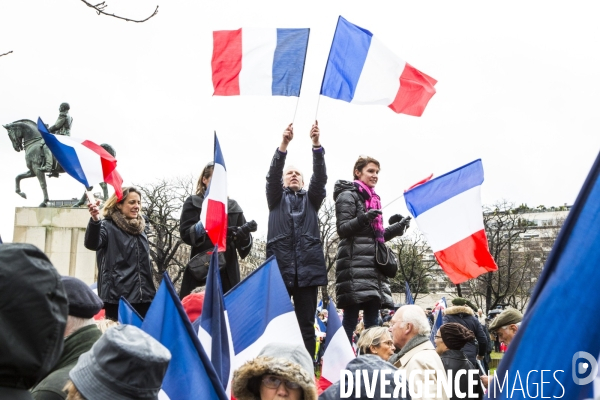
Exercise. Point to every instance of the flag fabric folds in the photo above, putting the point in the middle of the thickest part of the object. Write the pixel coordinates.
(438, 316)
(447, 210)
(338, 350)
(84, 160)
(361, 70)
(128, 315)
(407, 294)
(214, 328)
(566, 292)
(260, 312)
(214, 206)
(190, 374)
(258, 61)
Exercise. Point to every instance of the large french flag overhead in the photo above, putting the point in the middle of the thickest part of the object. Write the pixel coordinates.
(260, 312)
(84, 160)
(338, 350)
(447, 210)
(259, 61)
(214, 206)
(361, 70)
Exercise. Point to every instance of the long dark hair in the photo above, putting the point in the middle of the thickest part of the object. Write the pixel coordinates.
(206, 173)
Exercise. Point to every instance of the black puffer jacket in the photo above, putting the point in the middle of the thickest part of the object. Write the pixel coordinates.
(466, 317)
(190, 215)
(293, 235)
(123, 262)
(456, 360)
(357, 279)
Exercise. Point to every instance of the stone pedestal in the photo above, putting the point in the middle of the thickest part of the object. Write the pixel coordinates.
(59, 232)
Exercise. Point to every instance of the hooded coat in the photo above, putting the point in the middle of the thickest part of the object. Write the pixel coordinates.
(293, 235)
(357, 278)
(190, 215)
(123, 260)
(466, 317)
(368, 363)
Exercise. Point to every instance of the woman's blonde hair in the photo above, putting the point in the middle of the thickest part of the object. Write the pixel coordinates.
(111, 204)
(104, 323)
(206, 173)
(372, 337)
(72, 392)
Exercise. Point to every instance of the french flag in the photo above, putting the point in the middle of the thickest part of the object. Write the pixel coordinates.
(214, 206)
(448, 212)
(260, 312)
(84, 160)
(361, 70)
(255, 61)
(338, 350)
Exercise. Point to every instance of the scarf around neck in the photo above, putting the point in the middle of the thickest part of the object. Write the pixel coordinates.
(372, 202)
(131, 226)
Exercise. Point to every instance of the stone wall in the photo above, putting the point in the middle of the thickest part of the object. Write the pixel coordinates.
(59, 232)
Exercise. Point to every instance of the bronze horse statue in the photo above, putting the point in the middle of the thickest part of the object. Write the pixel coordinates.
(24, 135)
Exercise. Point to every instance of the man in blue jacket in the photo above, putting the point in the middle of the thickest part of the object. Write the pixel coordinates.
(293, 235)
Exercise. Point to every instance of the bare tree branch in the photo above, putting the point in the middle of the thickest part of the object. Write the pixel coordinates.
(100, 10)
(5, 54)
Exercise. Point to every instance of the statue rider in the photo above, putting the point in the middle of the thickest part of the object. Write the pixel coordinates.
(62, 126)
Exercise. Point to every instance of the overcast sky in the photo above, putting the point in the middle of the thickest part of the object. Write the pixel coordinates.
(517, 87)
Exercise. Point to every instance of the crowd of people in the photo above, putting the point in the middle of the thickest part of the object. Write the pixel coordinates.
(51, 347)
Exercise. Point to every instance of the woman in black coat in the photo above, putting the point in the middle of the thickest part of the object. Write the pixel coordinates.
(239, 239)
(450, 338)
(122, 253)
(359, 283)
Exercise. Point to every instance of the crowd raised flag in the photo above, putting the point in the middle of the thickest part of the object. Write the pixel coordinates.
(554, 348)
(338, 350)
(84, 160)
(128, 315)
(259, 61)
(448, 211)
(190, 374)
(214, 206)
(361, 70)
(438, 316)
(407, 294)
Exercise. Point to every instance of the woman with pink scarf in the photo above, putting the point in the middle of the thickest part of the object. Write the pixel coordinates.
(359, 283)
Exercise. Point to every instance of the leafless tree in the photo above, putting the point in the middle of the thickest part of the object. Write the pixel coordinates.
(414, 265)
(330, 241)
(162, 201)
(101, 7)
(255, 259)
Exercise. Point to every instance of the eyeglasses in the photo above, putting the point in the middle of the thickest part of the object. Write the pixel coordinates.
(273, 382)
(390, 343)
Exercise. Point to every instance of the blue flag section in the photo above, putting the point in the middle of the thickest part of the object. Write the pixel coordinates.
(333, 322)
(556, 347)
(190, 374)
(128, 315)
(213, 321)
(407, 294)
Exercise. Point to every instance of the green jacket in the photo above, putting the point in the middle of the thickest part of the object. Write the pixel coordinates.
(51, 387)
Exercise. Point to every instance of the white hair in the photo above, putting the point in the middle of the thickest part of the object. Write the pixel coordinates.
(414, 315)
(76, 323)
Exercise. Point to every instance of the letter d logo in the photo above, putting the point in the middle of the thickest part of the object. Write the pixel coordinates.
(583, 368)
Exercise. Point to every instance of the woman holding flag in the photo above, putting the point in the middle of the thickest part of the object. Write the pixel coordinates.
(193, 233)
(360, 285)
(122, 253)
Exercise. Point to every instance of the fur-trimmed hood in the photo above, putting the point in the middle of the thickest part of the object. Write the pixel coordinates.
(459, 310)
(291, 362)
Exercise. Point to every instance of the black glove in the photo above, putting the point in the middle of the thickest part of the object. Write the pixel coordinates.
(395, 230)
(248, 227)
(395, 218)
(369, 216)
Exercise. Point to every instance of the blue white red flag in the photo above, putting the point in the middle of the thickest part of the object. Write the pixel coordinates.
(84, 160)
(128, 315)
(190, 374)
(260, 312)
(557, 342)
(321, 324)
(255, 61)
(438, 316)
(407, 294)
(214, 206)
(338, 350)
(320, 305)
(214, 331)
(361, 70)
(447, 210)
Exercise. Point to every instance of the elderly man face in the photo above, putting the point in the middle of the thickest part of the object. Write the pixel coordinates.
(507, 333)
(401, 331)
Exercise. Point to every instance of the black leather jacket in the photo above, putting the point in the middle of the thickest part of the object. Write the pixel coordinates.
(293, 235)
(456, 360)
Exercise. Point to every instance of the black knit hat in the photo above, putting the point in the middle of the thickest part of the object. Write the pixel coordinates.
(83, 302)
(455, 336)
